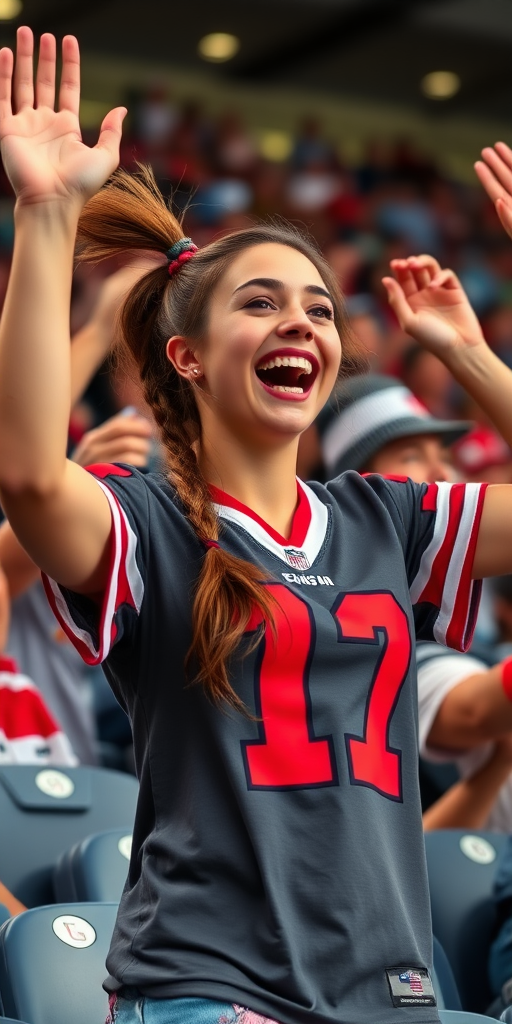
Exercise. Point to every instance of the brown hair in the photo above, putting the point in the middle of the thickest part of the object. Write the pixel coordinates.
(130, 215)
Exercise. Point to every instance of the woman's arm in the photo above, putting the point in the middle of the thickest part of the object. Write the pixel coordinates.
(58, 512)
(432, 307)
(469, 802)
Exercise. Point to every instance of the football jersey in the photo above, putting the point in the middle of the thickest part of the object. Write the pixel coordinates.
(278, 857)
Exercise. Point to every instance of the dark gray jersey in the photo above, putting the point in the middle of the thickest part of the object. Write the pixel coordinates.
(278, 860)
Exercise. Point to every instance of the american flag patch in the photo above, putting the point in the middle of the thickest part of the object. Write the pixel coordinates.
(411, 986)
(297, 558)
(413, 978)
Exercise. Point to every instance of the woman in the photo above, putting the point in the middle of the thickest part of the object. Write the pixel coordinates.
(258, 631)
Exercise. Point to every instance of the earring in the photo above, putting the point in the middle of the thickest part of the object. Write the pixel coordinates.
(195, 371)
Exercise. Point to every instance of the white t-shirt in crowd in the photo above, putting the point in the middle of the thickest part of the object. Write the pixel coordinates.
(439, 670)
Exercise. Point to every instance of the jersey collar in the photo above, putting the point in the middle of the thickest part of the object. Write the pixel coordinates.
(308, 526)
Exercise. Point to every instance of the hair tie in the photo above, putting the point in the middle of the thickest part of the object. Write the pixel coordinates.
(179, 253)
(211, 543)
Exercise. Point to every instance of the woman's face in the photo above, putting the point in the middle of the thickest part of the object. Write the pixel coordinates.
(271, 353)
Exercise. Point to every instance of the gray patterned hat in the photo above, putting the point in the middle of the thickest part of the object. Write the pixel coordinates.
(370, 411)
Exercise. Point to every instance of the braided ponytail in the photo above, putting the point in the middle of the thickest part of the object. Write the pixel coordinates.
(130, 215)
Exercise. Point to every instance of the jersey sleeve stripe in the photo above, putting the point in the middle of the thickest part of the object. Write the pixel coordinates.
(424, 574)
(124, 586)
(461, 594)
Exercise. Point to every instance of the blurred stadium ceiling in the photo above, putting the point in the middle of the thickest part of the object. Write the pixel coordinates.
(368, 49)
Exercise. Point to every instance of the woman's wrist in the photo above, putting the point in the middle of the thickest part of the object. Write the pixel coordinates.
(54, 214)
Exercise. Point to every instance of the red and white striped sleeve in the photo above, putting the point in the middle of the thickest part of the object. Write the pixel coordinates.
(443, 578)
(124, 589)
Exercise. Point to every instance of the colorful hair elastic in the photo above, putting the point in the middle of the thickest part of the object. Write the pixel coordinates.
(211, 544)
(179, 253)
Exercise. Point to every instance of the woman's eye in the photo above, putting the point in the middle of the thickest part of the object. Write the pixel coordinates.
(324, 312)
(259, 304)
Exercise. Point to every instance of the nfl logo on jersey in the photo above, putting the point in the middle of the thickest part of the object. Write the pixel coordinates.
(296, 558)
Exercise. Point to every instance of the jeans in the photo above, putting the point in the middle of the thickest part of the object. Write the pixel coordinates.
(133, 1008)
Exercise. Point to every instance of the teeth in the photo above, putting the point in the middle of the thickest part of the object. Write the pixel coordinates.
(298, 361)
(291, 391)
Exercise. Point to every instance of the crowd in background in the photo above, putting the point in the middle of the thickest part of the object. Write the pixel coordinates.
(396, 202)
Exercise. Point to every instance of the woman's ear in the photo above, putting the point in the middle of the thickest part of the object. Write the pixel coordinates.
(185, 362)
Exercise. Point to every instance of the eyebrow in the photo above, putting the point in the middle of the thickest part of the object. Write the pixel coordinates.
(275, 285)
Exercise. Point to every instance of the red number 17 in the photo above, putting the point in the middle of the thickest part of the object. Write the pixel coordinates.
(289, 755)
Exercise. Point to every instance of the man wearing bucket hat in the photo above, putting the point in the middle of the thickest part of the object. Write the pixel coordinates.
(376, 425)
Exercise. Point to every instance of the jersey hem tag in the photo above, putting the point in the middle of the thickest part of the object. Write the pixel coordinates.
(411, 986)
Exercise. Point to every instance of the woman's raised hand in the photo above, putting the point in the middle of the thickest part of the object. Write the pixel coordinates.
(40, 141)
(495, 174)
(432, 306)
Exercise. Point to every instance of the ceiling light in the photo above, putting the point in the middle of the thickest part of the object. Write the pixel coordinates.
(440, 85)
(218, 46)
(10, 9)
(276, 145)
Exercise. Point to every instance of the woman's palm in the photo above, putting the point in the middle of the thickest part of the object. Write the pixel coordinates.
(42, 150)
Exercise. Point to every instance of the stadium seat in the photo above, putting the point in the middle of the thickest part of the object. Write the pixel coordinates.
(444, 983)
(4, 913)
(461, 868)
(52, 963)
(44, 811)
(464, 1017)
(94, 869)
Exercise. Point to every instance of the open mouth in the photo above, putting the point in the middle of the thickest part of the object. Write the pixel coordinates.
(292, 374)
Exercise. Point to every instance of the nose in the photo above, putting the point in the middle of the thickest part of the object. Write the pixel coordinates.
(439, 472)
(296, 324)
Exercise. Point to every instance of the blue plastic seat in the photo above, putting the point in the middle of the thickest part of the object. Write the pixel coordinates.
(461, 869)
(52, 963)
(445, 986)
(44, 811)
(464, 1017)
(94, 869)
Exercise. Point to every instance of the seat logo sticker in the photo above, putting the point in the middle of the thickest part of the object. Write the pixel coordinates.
(74, 931)
(477, 849)
(54, 783)
(125, 846)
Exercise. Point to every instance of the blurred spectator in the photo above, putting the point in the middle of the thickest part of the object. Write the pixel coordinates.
(29, 733)
(155, 120)
(234, 152)
(429, 380)
(484, 455)
(311, 149)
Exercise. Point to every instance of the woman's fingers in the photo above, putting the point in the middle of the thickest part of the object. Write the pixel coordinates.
(405, 276)
(504, 211)
(6, 70)
(488, 180)
(446, 279)
(69, 92)
(110, 132)
(500, 168)
(415, 272)
(398, 301)
(23, 93)
(45, 78)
